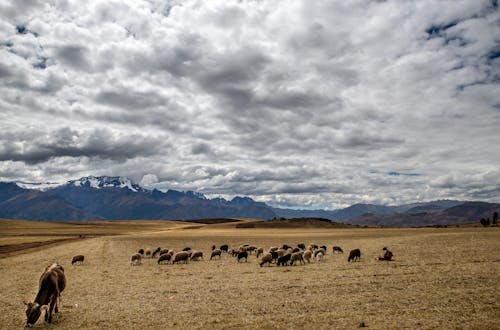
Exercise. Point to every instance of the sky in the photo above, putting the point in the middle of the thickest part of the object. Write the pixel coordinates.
(301, 104)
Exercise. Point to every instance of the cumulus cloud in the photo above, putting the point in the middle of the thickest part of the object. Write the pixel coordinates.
(315, 104)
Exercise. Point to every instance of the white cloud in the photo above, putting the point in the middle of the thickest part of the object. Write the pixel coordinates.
(296, 103)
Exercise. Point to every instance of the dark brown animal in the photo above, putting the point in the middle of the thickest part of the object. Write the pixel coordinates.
(284, 260)
(51, 284)
(354, 255)
(164, 258)
(77, 259)
(215, 253)
(156, 252)
(243, 255)
(337, 249)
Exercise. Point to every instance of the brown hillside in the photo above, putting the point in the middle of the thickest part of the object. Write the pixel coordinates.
(294, 223)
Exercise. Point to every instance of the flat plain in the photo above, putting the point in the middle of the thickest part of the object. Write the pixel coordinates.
(441, 278)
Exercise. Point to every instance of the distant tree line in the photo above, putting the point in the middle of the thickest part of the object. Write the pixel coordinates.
(486, 222)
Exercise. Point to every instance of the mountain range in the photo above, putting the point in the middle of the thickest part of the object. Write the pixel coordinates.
(109, 198)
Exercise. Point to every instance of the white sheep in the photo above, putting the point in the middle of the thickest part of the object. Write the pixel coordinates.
(320, 257)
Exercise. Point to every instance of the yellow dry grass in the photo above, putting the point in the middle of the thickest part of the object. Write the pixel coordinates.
(446, 278)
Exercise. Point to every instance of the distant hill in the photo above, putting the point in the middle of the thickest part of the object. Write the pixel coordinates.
(112, 198)
(460, 214)
(293, 223)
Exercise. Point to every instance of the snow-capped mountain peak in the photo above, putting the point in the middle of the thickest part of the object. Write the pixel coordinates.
(106, 182)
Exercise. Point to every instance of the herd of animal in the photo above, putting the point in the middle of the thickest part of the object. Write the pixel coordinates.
(53, 281)
(281, 256)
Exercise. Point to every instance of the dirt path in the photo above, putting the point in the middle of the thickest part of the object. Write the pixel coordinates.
(13, 249)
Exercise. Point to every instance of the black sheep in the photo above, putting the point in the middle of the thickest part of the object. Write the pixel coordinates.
(283, 261)
(354, 254)
(243, 254)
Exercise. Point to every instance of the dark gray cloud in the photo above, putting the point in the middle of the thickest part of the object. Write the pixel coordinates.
(306, 104)
(75, 56)
(65, 142)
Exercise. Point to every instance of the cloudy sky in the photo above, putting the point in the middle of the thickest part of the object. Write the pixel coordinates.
(317, 104)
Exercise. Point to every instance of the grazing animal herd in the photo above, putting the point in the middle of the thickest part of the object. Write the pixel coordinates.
(53, 281)
(285, 255)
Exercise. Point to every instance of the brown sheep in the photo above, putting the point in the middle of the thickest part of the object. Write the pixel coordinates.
(166, 257)
(297, 256)
(197, 255)
(136, 259)
(77, 259)
(181, 256)
(307, 255)
(266, 259)
(215, 253)
(354, 255)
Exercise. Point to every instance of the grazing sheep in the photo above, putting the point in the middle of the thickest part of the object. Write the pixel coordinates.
(164, 251)
(243, 254)
(215, 253)
(313, 246)
(136, 259)
(307, 255)
(224, 247)
(181, 256)
(156, 252)
(337, 249)
(320, 257)
(297, 256)
(316, 252)
(166, 257)
(273, 248)
(274, 255)
(196, 255)
(281, 252)
(140, 251)
(301, 246)
(252, 249)
(324, 248)
(186, 249)
(283, 260)
(286, 247)
(295, 250)
(213, 247)
(77, 259)
(266, 259)
(260, 252)
(147, 253)
(353, 255)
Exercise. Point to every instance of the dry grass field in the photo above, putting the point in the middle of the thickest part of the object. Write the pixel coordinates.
(442, 278)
